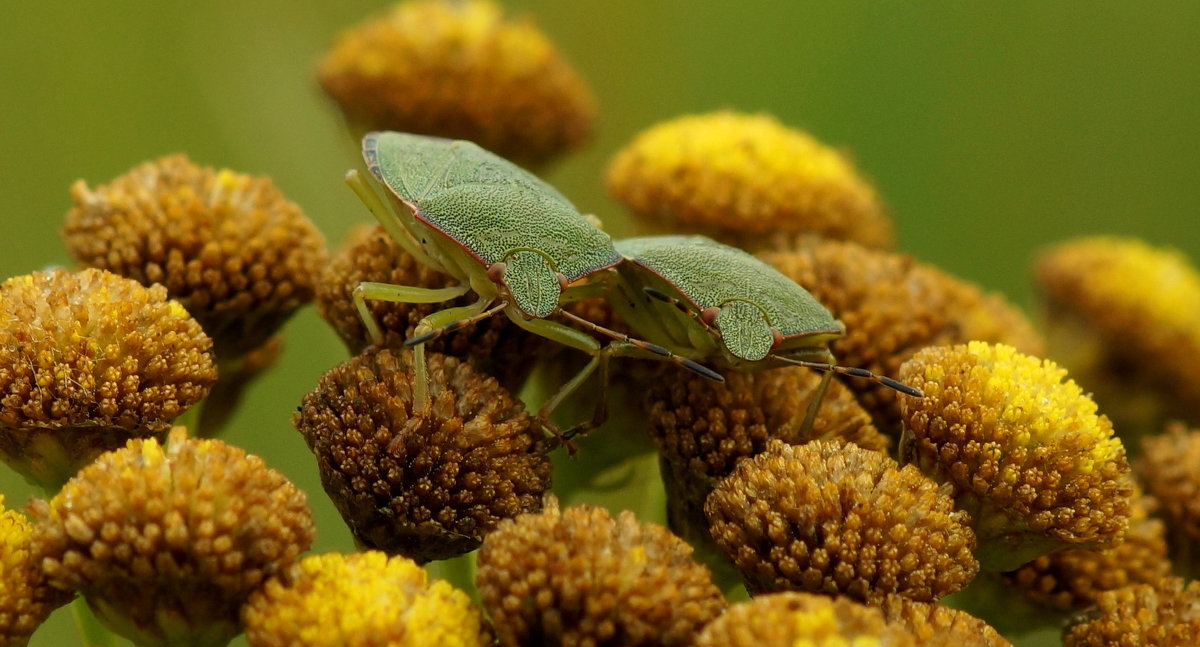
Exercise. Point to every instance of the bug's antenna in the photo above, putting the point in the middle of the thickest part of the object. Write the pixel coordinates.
(826, 367)
(690, 365)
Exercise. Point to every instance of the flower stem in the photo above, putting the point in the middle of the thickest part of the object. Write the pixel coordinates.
(91, 631)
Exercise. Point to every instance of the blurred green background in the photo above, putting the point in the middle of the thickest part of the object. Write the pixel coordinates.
(991, 129)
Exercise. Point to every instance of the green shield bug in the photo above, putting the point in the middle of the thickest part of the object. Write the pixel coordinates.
(502, 232)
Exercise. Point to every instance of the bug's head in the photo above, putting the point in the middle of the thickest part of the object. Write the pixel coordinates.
(531, 282)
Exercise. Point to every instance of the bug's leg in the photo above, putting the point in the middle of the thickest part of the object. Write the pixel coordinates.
(647, 347)
(371, 291)
(391, 222)
(440, 319)
(810, 416)
(452, 326)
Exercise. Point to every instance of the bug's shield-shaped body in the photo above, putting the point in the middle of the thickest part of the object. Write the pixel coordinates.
(756, 312)
(466, 200)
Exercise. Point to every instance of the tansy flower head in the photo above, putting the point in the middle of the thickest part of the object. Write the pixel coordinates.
(1073, 579)
(746, 180)
(423, 486)
(703, 428)
(792, 619)
(580, 577)
(230, 247)
(369, 254)
(1163, 615)
(1170, 468)
(166, 542)
(366, 599)
(1025, 452)
(829, 517)
(25, 597)
(1125, 319)
(892, 307)
(934, 625)
(88, 360)
(460, 70)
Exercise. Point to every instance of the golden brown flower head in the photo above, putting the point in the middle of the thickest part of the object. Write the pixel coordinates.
(702, 428)
(1138, 348)
(25, 597)
(166, 542)
(892, 307)
(1073, 579)
(934, 625)
(230, 247)
(746, 180)
(1170, 468)
(792, 619)
(426, 487)
(369, 254)
(579, 577)
(88, 360)
(829, 517)
(1024, 451)
(1142, 615)
(362, 600)
(460, 70)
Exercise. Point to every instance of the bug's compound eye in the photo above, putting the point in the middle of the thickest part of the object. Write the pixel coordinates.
(495, 272)
(533, 284)
(745, 331)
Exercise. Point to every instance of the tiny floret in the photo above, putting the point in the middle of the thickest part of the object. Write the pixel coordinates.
(1164, 614)
(792, 619)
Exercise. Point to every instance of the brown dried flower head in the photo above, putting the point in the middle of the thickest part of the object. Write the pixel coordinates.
(834, 518)
(1073, 579)
(1025, 452)
(934, 625)
(1163, 615)
(792, 619)
(579, 577)
(746, 180)
(423, 486)
(460, 70)
(230, 247)
(1170, 469)
(1137, 348)
(365, 599)
(369, 254)
(166, 542)
(892, 307)
(25, 597)
(88, 360)
(702, 428)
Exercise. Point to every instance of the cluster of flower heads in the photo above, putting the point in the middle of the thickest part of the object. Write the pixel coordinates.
(849, 522)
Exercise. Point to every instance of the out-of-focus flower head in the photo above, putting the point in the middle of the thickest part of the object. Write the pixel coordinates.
(579, 577)
(746, 180)
(792, 619)
(167, 542)
(1124, 318)
(423, 486)
(834, 518)
(1170, 469)
(460, 70)
(935, 625)
(1073, 579)
(25, 597)
(88, 360)
(1166, 614)
(238, 255)
(1025, 452)
(366, 599)
(892, 307)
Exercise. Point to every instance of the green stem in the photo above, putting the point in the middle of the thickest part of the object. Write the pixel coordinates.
(91, 631)
(458, 571)
(191, 418)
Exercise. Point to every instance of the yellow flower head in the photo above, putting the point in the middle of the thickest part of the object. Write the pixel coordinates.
(238, 255)
(829, 517)
(90, 359)
(361, 600)
(746, 180)
(1026, 453)
(935, 625)
(460, 70)
(1164, 614)
(793, 619)
(1125, 317)
(167, 542)
(25, 597)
